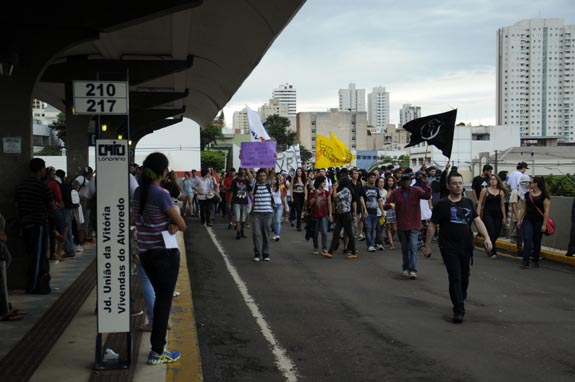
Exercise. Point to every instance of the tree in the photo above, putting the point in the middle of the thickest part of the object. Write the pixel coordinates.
(214, 159)
(210, 135)
(50, 151)
(59, 126)
(276, 127)
(304, 153)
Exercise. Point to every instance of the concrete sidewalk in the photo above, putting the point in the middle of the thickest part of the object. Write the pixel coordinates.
(550, 254)
(72, 357)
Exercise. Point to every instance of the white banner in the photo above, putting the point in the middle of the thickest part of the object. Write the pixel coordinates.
(289, 159)
(113, 230)
(257, 131)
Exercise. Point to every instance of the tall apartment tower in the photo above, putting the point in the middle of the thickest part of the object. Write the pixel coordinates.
(378, 108)
(535, 78)
(286, 93)
(408, 113)
(351, 99)
(240, 119)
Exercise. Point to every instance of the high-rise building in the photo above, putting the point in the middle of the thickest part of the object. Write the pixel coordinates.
(286, 93)
(350, 128)
(378, 109)
(535, 78)
(274, 107)
(352, 99)
(408, 113)
(241, 125)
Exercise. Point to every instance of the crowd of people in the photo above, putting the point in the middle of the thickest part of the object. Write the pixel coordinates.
(378, 207)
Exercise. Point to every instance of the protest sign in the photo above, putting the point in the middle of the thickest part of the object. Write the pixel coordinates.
(288, 159)
(258, 154)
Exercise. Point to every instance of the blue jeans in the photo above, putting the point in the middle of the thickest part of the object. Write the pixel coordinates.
(320, 225)
(277, 219)
(147, 291)
(408, 241)
(370, 226)
(531, 239)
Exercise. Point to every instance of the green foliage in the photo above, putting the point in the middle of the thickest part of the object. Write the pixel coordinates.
(560, 185)
(402, 161)
(210, 135)
(60, 126)
(49, 151)
(304, 153)
(276, 127)
(214, 159)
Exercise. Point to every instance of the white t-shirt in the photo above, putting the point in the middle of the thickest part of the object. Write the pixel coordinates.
(85, 190)
(514, 179)
(425, 209)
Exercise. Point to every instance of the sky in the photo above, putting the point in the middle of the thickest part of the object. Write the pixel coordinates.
(435, 54)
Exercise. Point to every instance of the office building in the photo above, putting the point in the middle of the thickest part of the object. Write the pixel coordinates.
(286, 94)
(352, 99)
(535, 78)
(378, 109)
(408, 113)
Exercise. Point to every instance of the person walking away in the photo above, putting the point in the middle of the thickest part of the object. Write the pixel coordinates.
(517, 201)
(406, 199)
(155, 213)
(321, 213)
(33, 200)
(280, 203)
(533, 220)
(454, 215)
(491, 210)
(262, 215)
(370, 202)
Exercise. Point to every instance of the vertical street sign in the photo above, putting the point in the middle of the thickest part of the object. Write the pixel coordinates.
(113, 229)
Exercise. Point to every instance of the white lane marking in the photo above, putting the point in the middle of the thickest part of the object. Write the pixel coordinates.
(283, 362)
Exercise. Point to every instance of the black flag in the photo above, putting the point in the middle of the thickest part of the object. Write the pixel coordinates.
(434, 129)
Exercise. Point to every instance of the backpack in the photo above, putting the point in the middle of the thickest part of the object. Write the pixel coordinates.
(66, 190)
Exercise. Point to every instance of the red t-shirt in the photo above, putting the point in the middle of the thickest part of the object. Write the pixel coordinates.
(319, 208)
(55, 189)
(228, 186)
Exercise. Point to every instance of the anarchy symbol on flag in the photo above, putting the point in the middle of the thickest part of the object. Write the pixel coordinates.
(430, 129)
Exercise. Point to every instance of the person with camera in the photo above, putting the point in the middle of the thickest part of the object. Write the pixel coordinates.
(454, 215)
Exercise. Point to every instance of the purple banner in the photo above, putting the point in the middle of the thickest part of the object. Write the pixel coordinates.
(258, 154)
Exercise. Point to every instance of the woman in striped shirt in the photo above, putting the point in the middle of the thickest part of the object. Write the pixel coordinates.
(155, 213)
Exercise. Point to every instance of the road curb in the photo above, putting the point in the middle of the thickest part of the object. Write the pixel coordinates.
(183, 336)
(548, 254)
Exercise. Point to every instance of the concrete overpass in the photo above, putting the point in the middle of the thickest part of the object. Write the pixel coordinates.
(182, 58)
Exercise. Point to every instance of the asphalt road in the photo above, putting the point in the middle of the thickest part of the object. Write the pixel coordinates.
(360, 320)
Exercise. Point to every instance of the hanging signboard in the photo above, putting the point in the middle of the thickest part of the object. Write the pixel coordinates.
(101, 97)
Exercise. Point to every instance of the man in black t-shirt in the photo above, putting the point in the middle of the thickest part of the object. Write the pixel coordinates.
(454, 214)
(481, 181)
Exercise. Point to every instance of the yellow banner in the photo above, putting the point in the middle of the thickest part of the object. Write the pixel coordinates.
(331, 152)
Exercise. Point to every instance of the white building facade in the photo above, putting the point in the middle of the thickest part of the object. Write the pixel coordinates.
(286, 94)
(352, 99)
(408, 113)
(535, 78)
(378, 109)
(350, 128)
